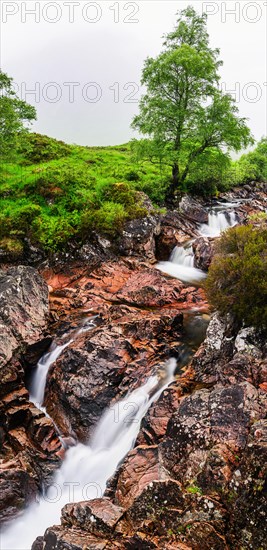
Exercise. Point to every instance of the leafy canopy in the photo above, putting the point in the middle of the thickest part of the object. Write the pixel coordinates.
(183, 110)
(14, 116)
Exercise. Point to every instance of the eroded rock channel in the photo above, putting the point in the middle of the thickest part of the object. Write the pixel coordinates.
(187, 410)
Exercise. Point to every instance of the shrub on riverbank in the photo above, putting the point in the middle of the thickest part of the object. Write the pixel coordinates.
(237, 279)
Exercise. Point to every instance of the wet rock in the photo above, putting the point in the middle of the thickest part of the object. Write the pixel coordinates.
(23, 316)
(154, 424)
(140, 468)
(29, 444)
(203, 249)
(175, 230)
(138, 238)
(103, 365)
(193, 209)
(97, 516)
(140, 327)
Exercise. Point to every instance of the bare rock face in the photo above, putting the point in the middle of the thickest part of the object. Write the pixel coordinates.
(29, 444)
(139, 327)
(203, 248)
(23, 317)
(138, 239)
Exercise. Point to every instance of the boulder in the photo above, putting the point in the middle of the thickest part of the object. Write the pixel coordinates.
(193, 209)
(138, 238)
(203, 249)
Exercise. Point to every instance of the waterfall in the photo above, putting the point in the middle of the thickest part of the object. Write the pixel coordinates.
(37, 386)
(181, 265)
(38, 382)
(217, 222)
(182, 255)
(87, 468)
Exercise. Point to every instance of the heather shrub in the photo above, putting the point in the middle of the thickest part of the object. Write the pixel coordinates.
(237, 279)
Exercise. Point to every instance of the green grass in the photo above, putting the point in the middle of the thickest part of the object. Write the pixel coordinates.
(75, 191)
(55, 193)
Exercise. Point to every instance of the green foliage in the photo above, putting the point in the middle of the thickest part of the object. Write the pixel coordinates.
(249, 167)
(54, 232)
(37, 148)
(14, 116)
(206, 173)
(66, 198)
(183, 113)
(237, 279)
(194, 489)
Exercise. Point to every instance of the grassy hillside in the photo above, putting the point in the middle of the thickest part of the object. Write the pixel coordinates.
(56, 192)
(53, 192)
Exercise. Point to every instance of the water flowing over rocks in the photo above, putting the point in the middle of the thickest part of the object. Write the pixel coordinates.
(196, 475)
(199, 483)
(140, 321)
(29, 444)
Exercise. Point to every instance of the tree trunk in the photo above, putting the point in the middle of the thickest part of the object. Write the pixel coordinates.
(174, 183)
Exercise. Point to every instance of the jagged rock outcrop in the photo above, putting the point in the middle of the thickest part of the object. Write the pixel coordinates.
(138, 239)
(200, 483)
(194, 209)
(28, 442)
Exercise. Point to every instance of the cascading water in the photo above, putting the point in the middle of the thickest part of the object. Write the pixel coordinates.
(37, 387)
(217, 223)
(181, 265)
(86, 468)
(38, 382)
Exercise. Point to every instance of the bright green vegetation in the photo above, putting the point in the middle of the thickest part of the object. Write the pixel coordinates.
(237, 279)
(52, 193)
(194, 489)
(14, 116)
(188, 120)
(56, 192)
(73, 191)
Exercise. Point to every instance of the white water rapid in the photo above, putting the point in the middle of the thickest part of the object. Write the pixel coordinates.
(217, 223)
(181, 265)
(86, 468)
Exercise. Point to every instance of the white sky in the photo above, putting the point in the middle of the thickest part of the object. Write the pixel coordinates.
(112, 50)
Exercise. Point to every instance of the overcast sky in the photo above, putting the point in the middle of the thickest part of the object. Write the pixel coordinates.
(84, 60)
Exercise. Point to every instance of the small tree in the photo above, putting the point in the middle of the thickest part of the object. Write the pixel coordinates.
(237, 278)
(183, 110)
(14, 115)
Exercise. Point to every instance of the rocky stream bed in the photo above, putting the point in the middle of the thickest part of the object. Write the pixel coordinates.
(194, 475)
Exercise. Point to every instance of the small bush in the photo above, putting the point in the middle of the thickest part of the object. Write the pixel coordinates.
(54, 232)
(37, 148)
(237, 279)
(109, 219)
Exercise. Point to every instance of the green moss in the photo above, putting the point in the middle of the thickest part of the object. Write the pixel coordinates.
(12, 246)
(194, 489)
